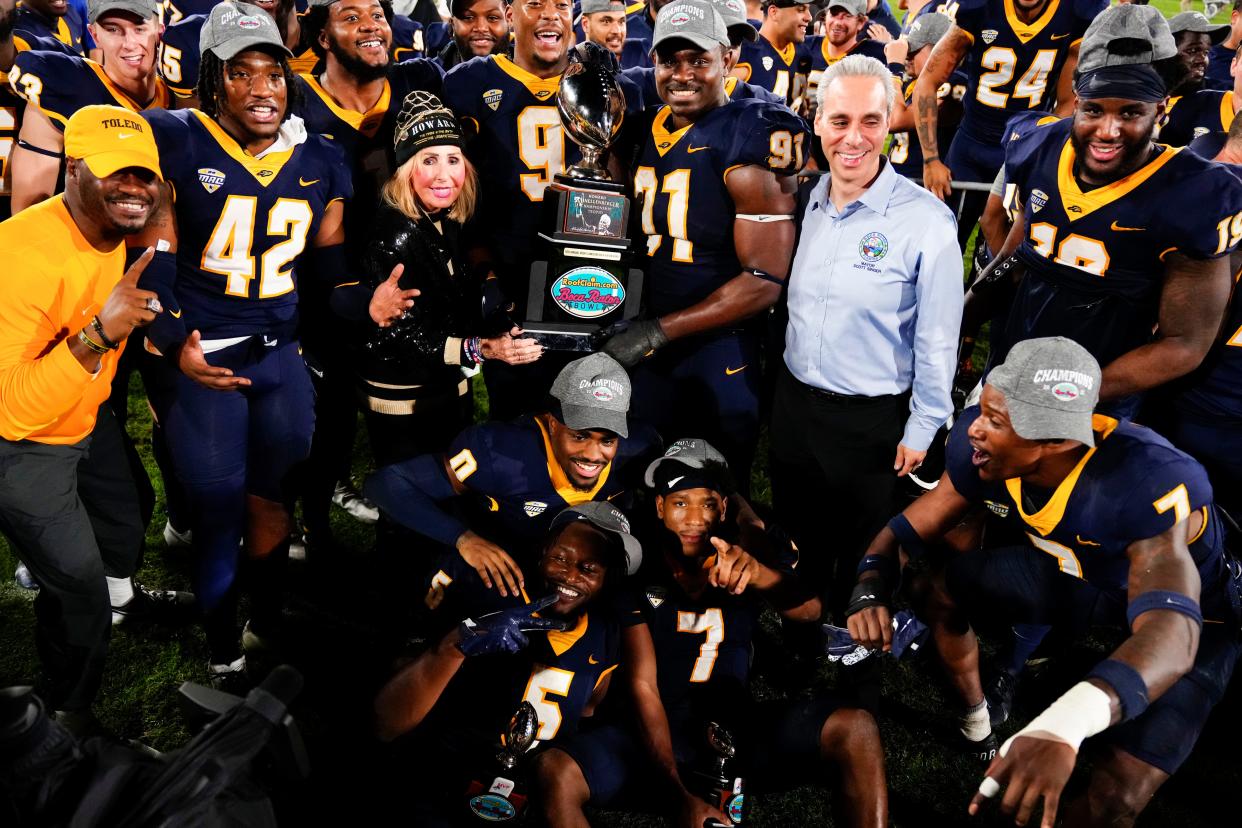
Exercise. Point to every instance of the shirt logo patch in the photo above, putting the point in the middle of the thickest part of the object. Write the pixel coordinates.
(656, 596)
(211, 179)
(1201, 131)
(998, 509)
(873, 247)
(767, 63)
(1038, 199)
(492, 98)
(989, 35)
(534, 508)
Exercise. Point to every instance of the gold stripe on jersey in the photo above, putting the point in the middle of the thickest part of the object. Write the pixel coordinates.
(1047, 518)
(633, 7)
(364, 122)
(1026, 31)
(265, 170)
(305, 62)
(161, 100)
(560, 481)
(604, 675)
(63, 34)
(562, 640)
(730, 85)
(665, 140)
(786, 54)
(541, 88)
(1226, 111)
(1078, 204)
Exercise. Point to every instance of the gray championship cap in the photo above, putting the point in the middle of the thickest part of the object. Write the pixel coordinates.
(1128, 35)
(854, 7)
(233, 28)
(142, 9)
(733, 13)
(927, 30)
(595, 6)
(608, 518)
(696, 21)
(1051, 386)
(1198, 23)
(689, 454)
(594, 392)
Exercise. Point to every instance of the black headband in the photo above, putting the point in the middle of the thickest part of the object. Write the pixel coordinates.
(1135, 82)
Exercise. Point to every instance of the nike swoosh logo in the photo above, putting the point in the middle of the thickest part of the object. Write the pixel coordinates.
(1060, 36)
(592, 660)
(1079, 538)
(175, 314)
(690, 150)
(731, 371)
(673, 482)
(306, 183)
(123, 135)
(1121, 229)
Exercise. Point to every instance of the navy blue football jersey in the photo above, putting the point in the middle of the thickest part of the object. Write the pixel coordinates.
(817, 52)
(177, 10)
(34, 32)
(782, 72)
(242, 222)
(1014, 66)
(1191, 116)
(519, 486)
(518, 144)
(737, 89)
(638, 23)
(904, 151)
(407, 39)
(11, 108)
(635, 53)
(1132, 485)
(1095, 258)
(690, 253)
(557, 673)
(58, 85)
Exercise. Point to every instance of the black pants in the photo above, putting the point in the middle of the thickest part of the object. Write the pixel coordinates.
(332, 446)
(833, 484)
(74, 514)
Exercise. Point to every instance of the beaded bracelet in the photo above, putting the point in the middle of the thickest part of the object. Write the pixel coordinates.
(474, 349)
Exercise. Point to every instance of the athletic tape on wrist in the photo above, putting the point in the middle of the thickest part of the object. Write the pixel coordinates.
(907, 537)
(1163, 599)
(1126, 682)
(1083, 711)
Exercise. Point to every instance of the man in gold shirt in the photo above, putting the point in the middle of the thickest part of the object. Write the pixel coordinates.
(68, 500)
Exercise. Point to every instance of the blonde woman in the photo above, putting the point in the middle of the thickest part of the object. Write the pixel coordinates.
(415, 395)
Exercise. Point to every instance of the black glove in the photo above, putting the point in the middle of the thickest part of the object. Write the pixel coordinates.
(630, 342)
(501, 632)
(871, 592)
(591, 54)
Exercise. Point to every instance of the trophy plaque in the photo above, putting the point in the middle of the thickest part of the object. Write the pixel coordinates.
(584, 281)
(505, 797)
(719, 783)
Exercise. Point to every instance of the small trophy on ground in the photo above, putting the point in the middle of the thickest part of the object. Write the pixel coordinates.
(719, 783)
(584, 282)
(505, 797)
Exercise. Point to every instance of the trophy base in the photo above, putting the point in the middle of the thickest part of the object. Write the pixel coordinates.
(570, 299)
(568, 341)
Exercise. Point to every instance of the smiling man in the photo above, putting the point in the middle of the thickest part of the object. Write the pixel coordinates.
(1120, 532)
(513, 477)
(778, 60)
(480, 28)
(55, 85)
(877, 271)
(1111, 246)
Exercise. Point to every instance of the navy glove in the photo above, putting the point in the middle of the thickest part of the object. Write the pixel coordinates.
(590, 54)
(502, 632)
(630, 342)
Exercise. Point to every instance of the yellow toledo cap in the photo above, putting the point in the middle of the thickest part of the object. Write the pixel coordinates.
(109, 138)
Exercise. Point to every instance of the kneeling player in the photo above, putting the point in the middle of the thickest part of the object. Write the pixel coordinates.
(458, 696)
(687, 644)
(1122, 533)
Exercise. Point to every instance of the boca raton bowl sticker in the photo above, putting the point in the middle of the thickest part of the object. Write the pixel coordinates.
(588, 292)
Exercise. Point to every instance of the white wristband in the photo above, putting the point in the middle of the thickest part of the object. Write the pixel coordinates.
(1083, 711)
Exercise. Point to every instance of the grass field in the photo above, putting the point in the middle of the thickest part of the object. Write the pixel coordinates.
(335, 635)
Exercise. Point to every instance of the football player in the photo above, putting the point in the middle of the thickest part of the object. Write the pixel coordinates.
(904, 152)
(518, 146)
(12, 106)
(253, 190)
(603, 22)
(1018, 55)
(55, 85)
(49, 25)
(640, 22)
(687, 645)
(1120, 532)
(480, 28)
(355, 98)
(713, 271)
(844, 35)
(733, 12)
(1110, 253)
(520, 474)
(1217, 76)
(557, 652)
(1195, 36)
(778, 60)
(1208, 110)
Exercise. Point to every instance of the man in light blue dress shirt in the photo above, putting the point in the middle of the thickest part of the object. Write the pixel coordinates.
(875, 304)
